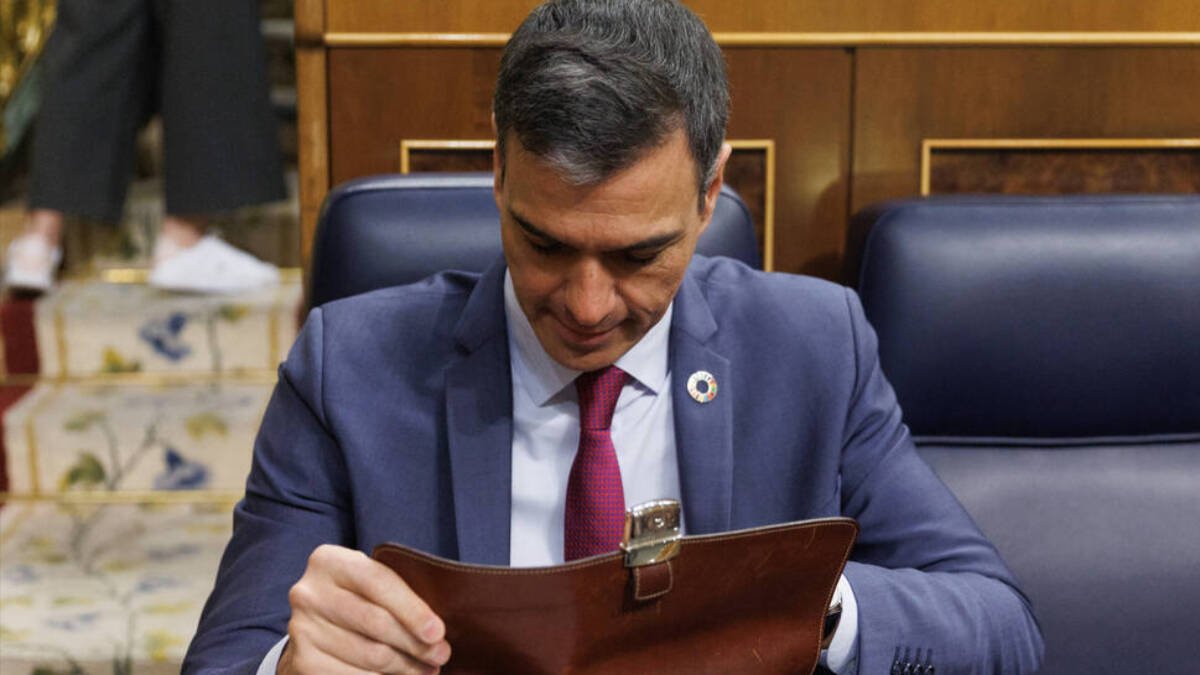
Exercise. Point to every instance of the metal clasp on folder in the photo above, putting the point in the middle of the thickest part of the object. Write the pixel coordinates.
(652, 533)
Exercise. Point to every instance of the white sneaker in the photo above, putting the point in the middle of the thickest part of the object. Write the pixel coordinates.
(211, 266)
(165, 248)
(31, 264)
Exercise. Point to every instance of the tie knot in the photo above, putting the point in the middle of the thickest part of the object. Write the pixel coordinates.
(598, 393)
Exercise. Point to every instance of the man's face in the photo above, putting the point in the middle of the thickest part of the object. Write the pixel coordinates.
(596, 266)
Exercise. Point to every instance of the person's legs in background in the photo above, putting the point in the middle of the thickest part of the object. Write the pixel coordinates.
(221, 148)
(203, 65)
(94, 95)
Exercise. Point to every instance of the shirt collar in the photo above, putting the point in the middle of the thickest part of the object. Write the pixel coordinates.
(542, 377)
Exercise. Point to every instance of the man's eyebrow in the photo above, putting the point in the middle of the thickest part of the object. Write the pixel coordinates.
(530, 228)
(655, 242)
(647, 244)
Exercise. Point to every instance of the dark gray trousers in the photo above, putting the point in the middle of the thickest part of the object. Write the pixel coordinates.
(111, 64)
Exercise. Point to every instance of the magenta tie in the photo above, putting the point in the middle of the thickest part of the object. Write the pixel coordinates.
(595, 515)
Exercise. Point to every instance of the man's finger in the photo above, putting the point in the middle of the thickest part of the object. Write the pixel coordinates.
(361, 653)
(379, 584)
(305, 659)
(351, 611)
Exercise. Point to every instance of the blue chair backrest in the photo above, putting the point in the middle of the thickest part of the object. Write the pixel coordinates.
(1046, 354)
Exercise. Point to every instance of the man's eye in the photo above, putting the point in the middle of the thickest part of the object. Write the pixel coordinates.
(544, 248)
(642, 257)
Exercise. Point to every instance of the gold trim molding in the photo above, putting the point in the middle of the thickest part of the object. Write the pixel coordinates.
(3, 357)
(35, 480)
(407, 145)
(128, 497)
(930, 145)
(141, 275)
(767, 146)
(144, 379)
(862, 39)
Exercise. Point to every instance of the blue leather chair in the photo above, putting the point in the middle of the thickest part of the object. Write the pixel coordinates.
(395, 229)
(1046, 353)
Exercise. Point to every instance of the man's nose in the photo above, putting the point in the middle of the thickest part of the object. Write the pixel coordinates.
(591, 294)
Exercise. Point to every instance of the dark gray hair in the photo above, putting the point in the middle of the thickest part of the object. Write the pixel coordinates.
(591, 85)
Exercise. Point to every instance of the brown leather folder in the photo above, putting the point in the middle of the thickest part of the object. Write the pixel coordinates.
(750, 601)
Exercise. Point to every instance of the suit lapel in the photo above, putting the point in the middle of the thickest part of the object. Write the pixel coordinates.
(479, 426)
(479, 421)
(703, 431)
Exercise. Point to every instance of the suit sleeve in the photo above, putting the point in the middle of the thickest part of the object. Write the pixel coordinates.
(930, 588)
(296, 499)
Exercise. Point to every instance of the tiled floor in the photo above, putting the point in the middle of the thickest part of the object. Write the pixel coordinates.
(124, 460)
(128, 419)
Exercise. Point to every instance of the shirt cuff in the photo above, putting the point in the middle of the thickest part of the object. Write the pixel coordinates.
(842, 655)
(270, 662)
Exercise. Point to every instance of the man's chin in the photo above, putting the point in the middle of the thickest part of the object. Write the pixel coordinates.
(584, 361)
(580, 351)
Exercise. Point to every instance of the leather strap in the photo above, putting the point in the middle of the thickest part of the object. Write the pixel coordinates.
(652, 581)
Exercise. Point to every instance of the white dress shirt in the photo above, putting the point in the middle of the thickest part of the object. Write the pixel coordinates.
(546, 433)
(546, 436)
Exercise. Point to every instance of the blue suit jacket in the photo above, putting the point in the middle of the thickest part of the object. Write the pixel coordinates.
(392, 421)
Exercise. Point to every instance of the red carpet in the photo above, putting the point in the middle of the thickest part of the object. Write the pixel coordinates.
(20, 358)
(20, 342)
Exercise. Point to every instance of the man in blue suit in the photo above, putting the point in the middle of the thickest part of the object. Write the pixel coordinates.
(442, 415)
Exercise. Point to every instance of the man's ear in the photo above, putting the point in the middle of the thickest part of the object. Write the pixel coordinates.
(714, 187)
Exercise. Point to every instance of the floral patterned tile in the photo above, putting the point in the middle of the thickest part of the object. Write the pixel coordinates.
(98, 437)
(87, 328)
(113, 589)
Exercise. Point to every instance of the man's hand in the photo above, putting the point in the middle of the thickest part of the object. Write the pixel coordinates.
(351, 614)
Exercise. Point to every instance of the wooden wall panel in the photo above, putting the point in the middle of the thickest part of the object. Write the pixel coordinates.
(486, 16)
(747, 172)
(1052, 172)
(379, 97)
(450, 160)
(312, 127)
(948, 15)
(801, 100)
(906, 95)
(847, 89)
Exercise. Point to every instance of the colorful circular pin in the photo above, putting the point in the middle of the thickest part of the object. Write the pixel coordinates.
(702, 386)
